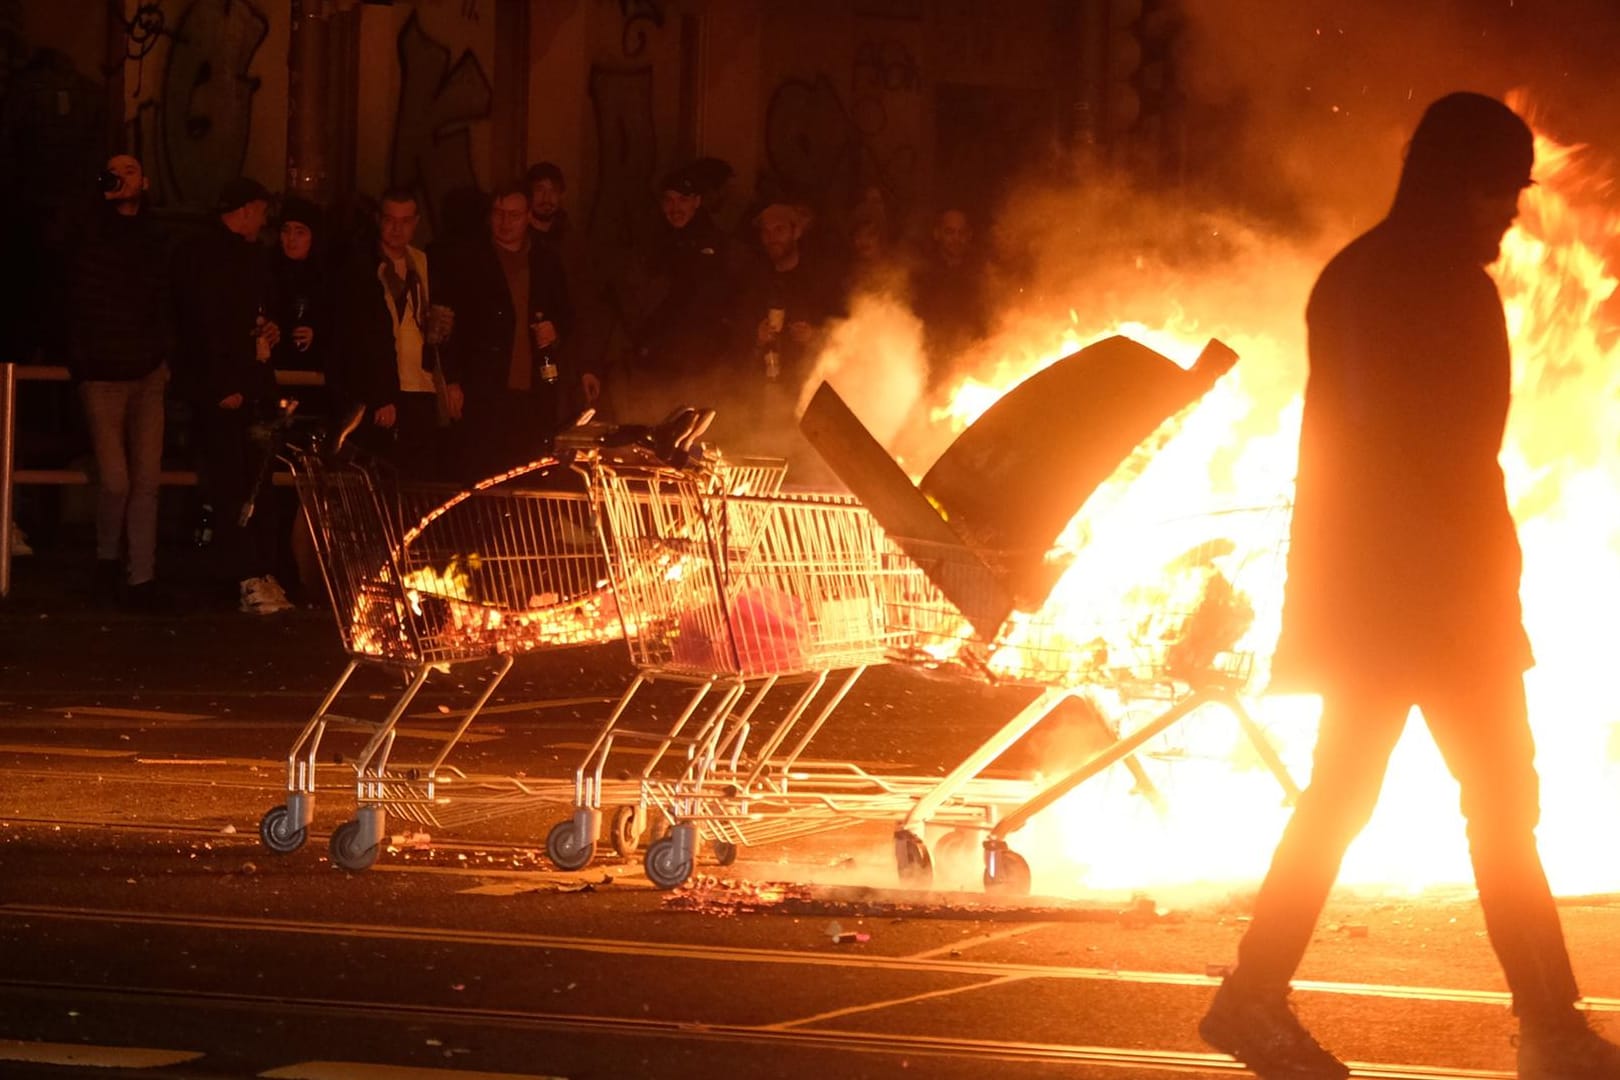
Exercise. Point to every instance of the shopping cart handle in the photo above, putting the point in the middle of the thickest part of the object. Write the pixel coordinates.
(350, 425)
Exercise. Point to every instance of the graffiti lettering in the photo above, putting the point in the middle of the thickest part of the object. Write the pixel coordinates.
(437, 104)
(637, 13)
(207, 101)
(626, 139)
(817, 147)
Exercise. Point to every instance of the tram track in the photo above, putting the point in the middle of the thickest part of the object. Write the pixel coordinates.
(730, 954)
(775, 1037)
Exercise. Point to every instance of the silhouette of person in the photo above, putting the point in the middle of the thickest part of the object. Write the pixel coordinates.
(1403, 589)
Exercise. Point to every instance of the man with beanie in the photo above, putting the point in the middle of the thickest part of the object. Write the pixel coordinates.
(225, 296)
(119, 342)
(1403, 589)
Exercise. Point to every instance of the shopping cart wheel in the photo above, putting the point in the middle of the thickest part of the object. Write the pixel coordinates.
(622, 832)
(668, 863)
(725, 852)
(566, 849)
(349, 847)
(911, 859)
(277, 834)
(1005, 871)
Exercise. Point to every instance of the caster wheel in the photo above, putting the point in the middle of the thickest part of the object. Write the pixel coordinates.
(277, 834)
(912, 861)
(725, 852)
(622, 832)
(349, 849)
(565, 849)
(1010, 876)
(667, 867)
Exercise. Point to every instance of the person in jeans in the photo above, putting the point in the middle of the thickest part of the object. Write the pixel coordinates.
(119, 342)
(1403, 589)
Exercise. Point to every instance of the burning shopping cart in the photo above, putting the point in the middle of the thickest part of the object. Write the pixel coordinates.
(738, 599)
(1149, 627)
(426, 578)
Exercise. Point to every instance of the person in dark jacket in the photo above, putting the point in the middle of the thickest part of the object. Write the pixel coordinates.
(303, 300)
(1403, 589)
(679, 297)
(388, 355)
(512, 325)
(225, 295)
(120, 339)
(588, 294)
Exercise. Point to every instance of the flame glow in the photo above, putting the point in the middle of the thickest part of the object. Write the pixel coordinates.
(1220, 815)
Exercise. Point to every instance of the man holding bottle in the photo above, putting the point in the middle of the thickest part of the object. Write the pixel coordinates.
(513, 326)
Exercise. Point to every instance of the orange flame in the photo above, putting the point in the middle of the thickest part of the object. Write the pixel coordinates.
(1221, 817)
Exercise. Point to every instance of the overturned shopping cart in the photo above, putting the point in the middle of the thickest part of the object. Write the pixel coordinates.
(1161, 620)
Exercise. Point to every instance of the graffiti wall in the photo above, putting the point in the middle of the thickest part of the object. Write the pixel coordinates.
(205, 94)
(425, 99)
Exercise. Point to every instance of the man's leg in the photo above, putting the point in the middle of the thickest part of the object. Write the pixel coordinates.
(1357, 735)
(1250, 1017)
(106, 408)
(145, 469)
(1483, 730)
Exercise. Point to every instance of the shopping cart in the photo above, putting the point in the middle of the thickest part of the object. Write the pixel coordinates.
(737, 599)
(426, 578)
(1148, 627)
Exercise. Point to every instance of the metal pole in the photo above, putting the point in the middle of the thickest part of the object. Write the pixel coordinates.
(8, 459)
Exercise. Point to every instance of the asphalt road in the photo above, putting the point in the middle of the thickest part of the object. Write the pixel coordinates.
(144, 931)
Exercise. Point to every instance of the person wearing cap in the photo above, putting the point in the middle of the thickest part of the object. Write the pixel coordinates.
(1403, 589)
(225, 298)
(302, 287)
(119, 344)
(680, 295)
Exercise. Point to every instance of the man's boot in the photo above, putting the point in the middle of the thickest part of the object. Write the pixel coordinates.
(1260, 1030)
(1565, 1047)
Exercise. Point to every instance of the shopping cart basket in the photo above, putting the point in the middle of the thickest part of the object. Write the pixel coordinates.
(1171, 619)
(734, 597)
(426, 578)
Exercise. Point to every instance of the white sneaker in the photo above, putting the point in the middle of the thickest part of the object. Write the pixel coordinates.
(264, 596)
(19, 541)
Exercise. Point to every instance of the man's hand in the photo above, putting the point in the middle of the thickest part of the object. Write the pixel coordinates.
(303, 337)
(384, 417)
(234, 401)
(545, 334)
(270, 332)
(801, 332)
(592, 387)
(453, 400)
(764, 335)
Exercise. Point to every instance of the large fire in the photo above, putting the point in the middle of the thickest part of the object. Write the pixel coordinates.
(1222, 814)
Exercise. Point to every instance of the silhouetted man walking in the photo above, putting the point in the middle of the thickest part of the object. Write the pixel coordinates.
(1403, 589)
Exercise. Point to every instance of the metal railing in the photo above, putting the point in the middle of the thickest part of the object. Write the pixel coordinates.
(10, 476)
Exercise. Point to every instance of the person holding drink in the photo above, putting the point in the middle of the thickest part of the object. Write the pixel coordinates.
(513, 321)
(388, 350)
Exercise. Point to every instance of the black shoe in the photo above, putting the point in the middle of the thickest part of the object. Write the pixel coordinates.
(1566, 1049)
(106, 582)
(1261, 1031)
(148, 598)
